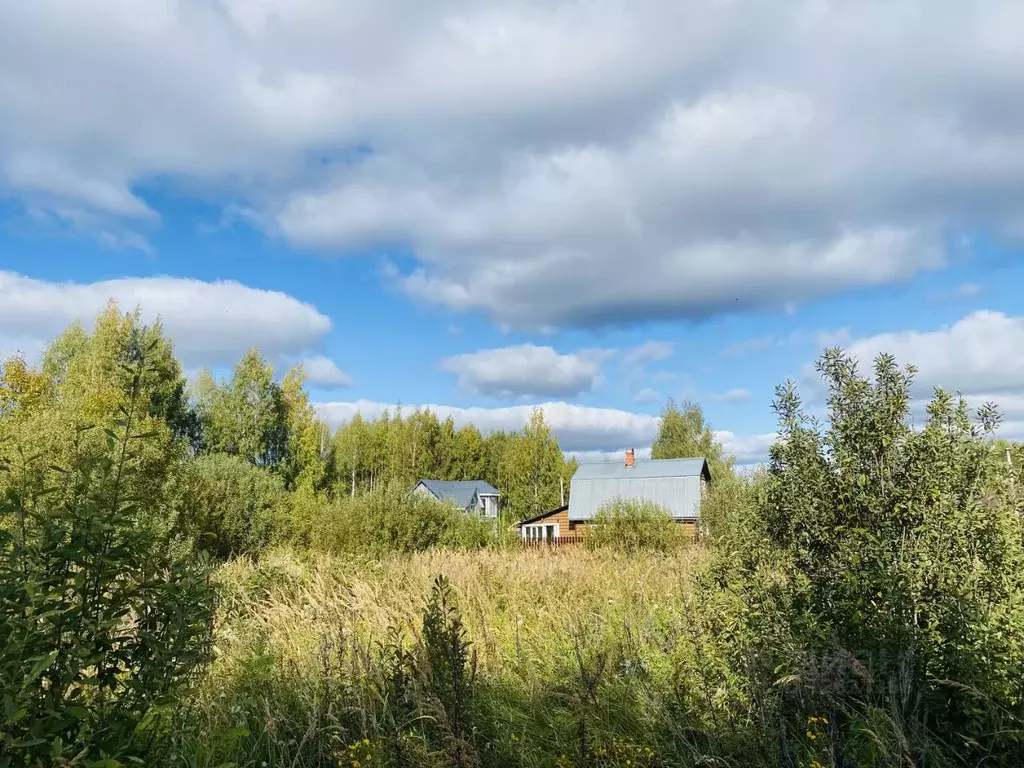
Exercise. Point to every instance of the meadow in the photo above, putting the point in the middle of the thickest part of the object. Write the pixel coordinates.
(204, 576)
(570, 655)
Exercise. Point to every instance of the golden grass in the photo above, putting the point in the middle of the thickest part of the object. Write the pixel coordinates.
(523, 604)
(295, 625)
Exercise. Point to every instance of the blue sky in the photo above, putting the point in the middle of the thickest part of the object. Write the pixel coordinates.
(495, 206)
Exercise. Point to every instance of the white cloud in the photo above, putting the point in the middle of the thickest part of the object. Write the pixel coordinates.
(211, 323)
(577, 427)
(591, 457)
(980, 353)
(964, 292)
(748, 449)
(324, 372)
(978, 356)
(732, 396)
(526, 370)
(647, 395)
(581, 430)
(650, 351)
(549, 164)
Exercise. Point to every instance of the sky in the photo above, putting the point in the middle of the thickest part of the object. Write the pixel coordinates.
(485, 206)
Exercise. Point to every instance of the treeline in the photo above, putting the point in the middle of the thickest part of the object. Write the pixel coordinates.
(266, 422)
(236, 465)
(272, 425)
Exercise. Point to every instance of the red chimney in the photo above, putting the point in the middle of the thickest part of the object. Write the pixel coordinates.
(630, 458)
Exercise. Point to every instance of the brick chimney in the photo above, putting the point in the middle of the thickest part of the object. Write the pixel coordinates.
(630, 458)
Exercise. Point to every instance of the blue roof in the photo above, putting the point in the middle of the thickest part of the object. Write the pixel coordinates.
(608, 470)
(459, 492)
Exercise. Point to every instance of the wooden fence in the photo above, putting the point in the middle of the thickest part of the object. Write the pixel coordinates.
(559, 541)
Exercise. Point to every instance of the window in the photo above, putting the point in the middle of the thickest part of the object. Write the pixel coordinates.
(540, 532)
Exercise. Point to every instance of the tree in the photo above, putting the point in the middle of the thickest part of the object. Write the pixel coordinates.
(248, 417)
(634, 526)
(532, 469)
(100, 623)
(469, 455)
(305, 465)
(87, 380)
(683, 433)
(22, 388)
(230, 507)
(887, 561)
(351, 454)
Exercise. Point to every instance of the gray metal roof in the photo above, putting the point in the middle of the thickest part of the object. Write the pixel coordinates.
(459, 492)
(650, 468)
(672, 483)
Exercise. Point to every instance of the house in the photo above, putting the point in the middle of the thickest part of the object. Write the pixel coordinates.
(472, 496)
(678, 485)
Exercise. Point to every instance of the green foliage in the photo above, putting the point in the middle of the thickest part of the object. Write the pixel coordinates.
(863, 601)
(246, 416)
(528, 467)
(89, 379)
(229, 506)
(887, 566)
(388, 521)
(101, 625)
(730, 505)
(307, 456)
(683, 434)
(531, 470)
(449, 670)
(634, 526)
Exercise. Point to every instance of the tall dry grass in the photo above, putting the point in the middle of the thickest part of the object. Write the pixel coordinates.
(510, 601)
(574, 654)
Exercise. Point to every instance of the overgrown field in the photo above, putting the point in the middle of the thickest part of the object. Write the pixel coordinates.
(569, 651)
(205, 578)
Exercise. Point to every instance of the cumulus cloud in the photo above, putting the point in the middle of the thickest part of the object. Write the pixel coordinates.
(548, 164)
(978, 356)
(526, 370)
(980, 353)
(732, 396)
(211, 323)
(581, 431)
(324, 372)
(748, 449)
(578, 427)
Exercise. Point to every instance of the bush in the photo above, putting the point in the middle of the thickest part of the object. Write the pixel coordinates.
(632, 526)
(231, 507)
(393, 521)
(100, 625)
(881, 577)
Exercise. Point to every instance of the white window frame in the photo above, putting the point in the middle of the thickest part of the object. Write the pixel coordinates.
(538, 531)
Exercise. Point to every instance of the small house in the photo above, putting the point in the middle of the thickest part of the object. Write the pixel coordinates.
(678, 485)
(471, 496)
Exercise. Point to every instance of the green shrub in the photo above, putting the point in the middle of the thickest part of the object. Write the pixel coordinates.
(393, 521)
(229, 506)
(632, 526)
(100, 624)
(881, 577)
(448, 669)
